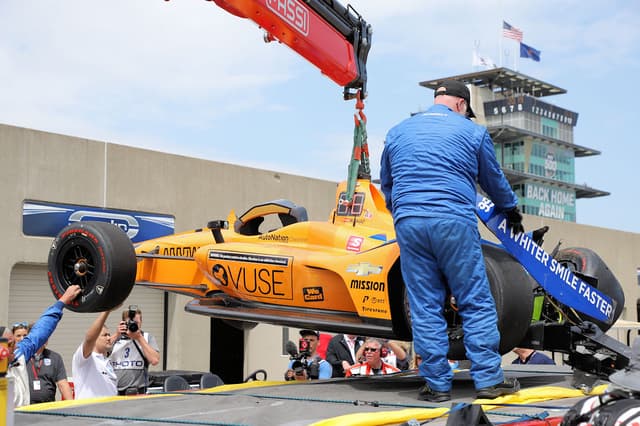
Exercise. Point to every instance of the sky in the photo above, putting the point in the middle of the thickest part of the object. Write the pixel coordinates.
(186, 77)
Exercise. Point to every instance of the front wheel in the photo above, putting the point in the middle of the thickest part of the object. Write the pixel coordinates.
(98, 257)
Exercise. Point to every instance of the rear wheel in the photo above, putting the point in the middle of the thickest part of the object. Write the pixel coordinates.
(589, 267)
(512, 290)
(98, 257)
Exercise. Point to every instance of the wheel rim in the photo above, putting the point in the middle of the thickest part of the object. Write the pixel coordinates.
(77, 264)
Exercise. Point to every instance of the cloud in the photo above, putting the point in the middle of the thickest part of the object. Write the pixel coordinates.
(94, 60)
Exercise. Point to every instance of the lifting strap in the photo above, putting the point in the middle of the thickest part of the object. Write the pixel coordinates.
(359, 165)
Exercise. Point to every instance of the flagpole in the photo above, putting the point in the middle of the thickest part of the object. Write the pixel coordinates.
(501, 24)
(474, 60)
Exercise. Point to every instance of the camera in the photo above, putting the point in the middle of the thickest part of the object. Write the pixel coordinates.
(300, 366)
(132, 326)
(300, 360)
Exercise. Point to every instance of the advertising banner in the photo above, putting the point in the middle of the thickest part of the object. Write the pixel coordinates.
(47, 219)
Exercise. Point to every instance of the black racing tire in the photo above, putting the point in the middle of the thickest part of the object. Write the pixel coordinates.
(512, 290)
(585, 261)
(100, 258)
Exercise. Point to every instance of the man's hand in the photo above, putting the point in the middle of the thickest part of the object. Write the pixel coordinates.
(515, 220)
(289, 375)
(71, 293)
(301, 377)
(123, 329)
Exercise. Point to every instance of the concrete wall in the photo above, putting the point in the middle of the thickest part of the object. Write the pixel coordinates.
(55, 168)
(62, 169)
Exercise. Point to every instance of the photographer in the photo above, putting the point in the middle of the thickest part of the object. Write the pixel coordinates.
(133, 351)
(305, 363)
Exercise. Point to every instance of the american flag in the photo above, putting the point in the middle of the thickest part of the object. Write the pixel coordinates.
(509, 31)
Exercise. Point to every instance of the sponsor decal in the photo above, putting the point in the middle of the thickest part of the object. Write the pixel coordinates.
(293, 12)
(274, 237)
(254, 274)
(354, 243)
(179, 251)
(372, 300)
(379, 237)
(313, 294)
(374, 310)
(368, 285)
(249, 257)
(44, 219)
(364, 269)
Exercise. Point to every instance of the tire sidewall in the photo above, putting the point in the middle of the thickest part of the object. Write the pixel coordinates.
(113, 262)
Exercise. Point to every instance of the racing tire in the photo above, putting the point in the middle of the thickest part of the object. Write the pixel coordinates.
(100, 258)
(512, 290)
(585, 261)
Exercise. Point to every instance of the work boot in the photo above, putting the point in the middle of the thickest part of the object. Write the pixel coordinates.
(508, 386)
(428, 394)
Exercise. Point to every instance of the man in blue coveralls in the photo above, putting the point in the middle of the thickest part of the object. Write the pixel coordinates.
(21, 352)
(429, 168)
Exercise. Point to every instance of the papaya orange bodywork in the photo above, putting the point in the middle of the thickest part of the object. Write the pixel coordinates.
(339, 265)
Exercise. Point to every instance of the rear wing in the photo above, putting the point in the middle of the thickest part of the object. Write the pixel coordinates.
(557, 280)
(331, 36)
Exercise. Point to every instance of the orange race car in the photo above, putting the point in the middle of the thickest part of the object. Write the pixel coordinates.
(272, 265)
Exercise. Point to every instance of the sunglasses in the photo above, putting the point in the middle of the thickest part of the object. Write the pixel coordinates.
(20, 324)
(370, 350)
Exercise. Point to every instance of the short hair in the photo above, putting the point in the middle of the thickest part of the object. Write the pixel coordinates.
(374, 340)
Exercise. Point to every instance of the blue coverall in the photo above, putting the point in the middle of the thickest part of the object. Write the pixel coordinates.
(429, 168)
(40, 331)
(27, 347)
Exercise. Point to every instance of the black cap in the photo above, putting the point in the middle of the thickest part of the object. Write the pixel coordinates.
(457, 89)
(308, 332)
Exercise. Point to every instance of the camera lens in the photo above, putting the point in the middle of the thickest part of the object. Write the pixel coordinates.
(132, 326)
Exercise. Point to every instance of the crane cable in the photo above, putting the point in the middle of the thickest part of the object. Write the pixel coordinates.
(359, 164)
